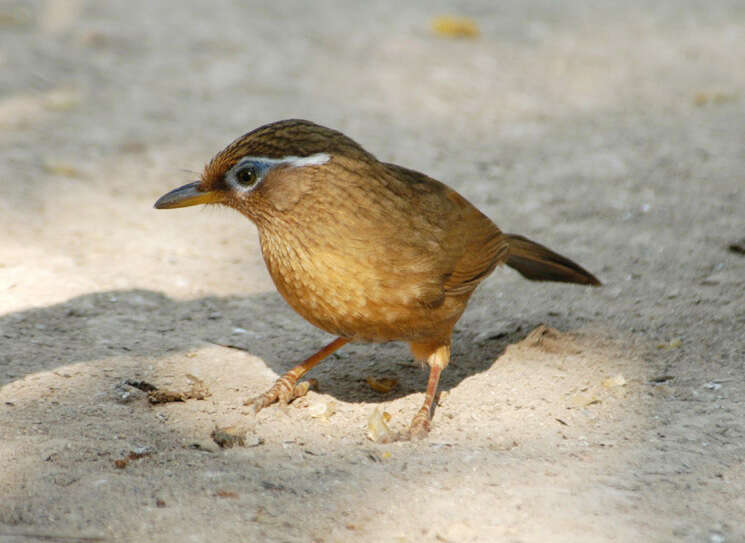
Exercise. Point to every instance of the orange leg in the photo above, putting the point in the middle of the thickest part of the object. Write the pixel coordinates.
(437, 360)
(286, 388)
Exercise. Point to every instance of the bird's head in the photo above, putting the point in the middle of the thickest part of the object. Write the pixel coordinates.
(269, 169)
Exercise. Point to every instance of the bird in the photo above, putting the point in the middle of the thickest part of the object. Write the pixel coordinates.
(365, 250)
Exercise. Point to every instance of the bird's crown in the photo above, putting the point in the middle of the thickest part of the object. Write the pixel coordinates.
(282, 140)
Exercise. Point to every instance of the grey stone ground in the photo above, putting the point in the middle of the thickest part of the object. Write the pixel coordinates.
(612, 132)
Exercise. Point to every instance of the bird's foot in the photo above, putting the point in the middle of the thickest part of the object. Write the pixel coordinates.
(420, 424)
(284, 390)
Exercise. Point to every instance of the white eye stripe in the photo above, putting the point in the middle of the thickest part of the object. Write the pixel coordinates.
(264, 164)
(312, 160)
(292, 161)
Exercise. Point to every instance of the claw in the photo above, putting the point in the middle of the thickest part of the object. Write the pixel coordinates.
(301, 389)
(420, 424)
(286, 388)
(283, 391)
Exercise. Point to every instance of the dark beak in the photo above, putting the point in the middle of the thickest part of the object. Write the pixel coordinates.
(188, 195)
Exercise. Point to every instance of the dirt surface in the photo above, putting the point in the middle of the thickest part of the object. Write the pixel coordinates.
(611, 132)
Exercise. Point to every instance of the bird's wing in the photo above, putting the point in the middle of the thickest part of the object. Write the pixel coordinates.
(469, 244)
(483, 244)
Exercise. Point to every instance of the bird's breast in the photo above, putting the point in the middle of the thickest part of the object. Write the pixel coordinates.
(355, 291)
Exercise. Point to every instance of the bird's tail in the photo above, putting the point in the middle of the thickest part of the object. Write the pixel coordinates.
(538, 263)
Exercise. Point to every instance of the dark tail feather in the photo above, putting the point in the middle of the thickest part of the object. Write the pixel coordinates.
(539, 263)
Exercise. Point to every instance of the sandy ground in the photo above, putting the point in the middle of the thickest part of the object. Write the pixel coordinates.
(612, 132)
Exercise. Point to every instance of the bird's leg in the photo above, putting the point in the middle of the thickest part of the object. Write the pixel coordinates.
(286, 388)
(437, 360)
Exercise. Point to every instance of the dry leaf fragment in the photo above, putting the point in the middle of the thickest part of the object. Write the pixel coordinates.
(222, 493)
(322, 409)
(713, 97)
(381, 385)
(198, 391)
(142, 452)
(455, 27)
(377, 429)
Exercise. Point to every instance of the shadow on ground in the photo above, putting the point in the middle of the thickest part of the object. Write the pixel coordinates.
(149, 325)
(68, 435)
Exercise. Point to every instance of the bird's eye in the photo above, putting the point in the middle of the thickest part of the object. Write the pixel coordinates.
(247, 175)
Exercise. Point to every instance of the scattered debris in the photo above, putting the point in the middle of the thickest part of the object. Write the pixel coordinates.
(226, 494)
(672, 344)
(155, 395)
(205, 445)
(539, 334)
(136, 454)
(713, 385)
(662, 378)
(126, 393)
(141, 385)
(717, 97)
(561, 422)
(455, 27)
(737, 247)
(322, 409)
(278, 487)
(547, 340)
(235, 436)
(382, 385)
(229, 437)
(377, 429)
(373, 456)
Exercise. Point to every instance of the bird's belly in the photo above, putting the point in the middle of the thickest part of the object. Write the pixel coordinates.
(351, 299)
